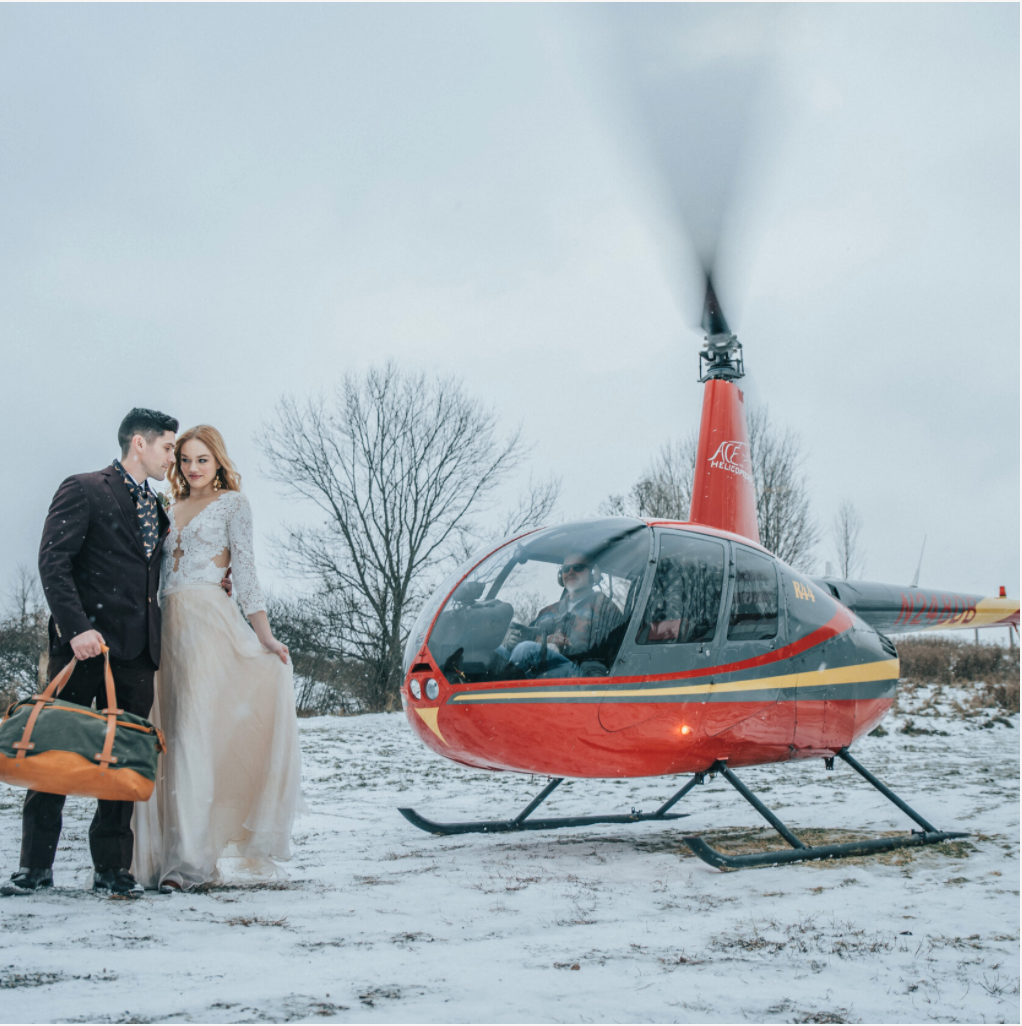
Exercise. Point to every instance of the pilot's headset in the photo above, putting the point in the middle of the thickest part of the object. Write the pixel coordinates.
(594, 575)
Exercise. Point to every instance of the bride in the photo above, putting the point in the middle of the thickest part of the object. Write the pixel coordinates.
(228, 787)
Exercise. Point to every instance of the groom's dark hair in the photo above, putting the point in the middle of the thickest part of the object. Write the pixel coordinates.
(149, 424)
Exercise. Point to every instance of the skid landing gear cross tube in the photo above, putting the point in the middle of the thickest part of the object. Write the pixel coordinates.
(522, 822)
(800, 852)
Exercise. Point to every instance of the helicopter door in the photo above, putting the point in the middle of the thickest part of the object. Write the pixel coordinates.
(682, 612)
(680, 619)
(754, 628)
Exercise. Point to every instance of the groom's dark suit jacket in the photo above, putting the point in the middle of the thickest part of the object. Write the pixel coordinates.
(94, 568)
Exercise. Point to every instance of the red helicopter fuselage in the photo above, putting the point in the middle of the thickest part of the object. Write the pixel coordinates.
(826, 678)
(691, 643)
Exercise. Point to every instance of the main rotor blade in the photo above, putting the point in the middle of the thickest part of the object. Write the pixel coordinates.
(695, 71)
(713, 321)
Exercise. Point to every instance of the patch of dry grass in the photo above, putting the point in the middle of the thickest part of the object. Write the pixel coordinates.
(255, 921)
(953, 660)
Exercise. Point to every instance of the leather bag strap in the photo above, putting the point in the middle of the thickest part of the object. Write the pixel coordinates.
(56, 685)
(106, 757)
(25, 745)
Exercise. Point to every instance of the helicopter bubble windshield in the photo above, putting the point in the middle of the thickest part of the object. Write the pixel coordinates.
(556, 603)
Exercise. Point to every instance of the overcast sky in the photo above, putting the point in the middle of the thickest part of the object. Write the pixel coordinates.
(203, 207)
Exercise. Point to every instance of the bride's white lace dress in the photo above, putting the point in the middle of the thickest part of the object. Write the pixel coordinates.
(229, 785)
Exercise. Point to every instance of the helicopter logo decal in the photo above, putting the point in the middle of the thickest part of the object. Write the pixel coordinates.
(732, 457)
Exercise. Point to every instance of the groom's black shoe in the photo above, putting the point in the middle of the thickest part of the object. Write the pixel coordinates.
(118, 882)
(27, 881)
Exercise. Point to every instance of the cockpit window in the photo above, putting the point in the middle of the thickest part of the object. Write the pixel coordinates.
(684, 603)
(555, 604)
(754, 606)
(417, 635)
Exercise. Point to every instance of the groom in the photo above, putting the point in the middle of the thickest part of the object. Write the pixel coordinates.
(100, 566)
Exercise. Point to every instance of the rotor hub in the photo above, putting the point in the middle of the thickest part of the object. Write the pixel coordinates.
(721, 357)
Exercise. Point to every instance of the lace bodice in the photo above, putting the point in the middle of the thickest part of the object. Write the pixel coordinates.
(190, 554)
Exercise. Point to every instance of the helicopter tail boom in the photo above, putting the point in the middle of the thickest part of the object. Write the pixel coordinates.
(894, 609)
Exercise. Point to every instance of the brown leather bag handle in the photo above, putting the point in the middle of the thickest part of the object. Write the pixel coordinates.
(104, 758)
(54, 688)
(111, 694)
(25, 745)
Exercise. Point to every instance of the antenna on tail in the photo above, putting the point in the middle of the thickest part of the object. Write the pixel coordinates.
(919, 565)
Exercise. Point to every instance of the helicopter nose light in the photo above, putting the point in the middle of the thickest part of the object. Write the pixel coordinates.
(686, 729)
(415, 688)
(432, 688)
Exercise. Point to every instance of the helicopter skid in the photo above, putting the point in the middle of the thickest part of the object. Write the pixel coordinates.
(800, 852)
(522, 822)
(508, 826)
(719, 860)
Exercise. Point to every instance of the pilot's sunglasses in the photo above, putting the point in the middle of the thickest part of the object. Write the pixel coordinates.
(576, 567)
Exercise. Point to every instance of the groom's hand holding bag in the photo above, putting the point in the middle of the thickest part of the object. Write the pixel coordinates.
(63, 748)
(87, 645)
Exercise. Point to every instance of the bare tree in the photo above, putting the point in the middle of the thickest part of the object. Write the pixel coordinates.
(23, 638)
(26, 591)
(533, 508)
(786, 525)
(845, 531)
(665, 489)
(326, 682)
(616, 505)
(401, 466)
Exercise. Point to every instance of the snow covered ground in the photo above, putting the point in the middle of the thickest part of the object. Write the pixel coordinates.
(381, 923)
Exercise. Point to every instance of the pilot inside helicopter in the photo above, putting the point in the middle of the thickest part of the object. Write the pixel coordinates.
(568, 631)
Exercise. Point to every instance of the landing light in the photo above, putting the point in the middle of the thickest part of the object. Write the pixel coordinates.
(686, 729)
(415, 689)
(432, 688)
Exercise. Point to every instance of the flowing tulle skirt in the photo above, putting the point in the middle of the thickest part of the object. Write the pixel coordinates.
(229, 785)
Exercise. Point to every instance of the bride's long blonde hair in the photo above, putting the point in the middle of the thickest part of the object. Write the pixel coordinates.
(227, 478)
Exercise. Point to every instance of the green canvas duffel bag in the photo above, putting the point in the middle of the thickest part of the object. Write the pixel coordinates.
(64, 748)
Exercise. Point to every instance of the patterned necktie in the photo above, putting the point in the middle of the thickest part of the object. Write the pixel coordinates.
(145, 507)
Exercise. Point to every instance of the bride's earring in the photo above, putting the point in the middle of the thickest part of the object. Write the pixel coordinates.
(216, 482)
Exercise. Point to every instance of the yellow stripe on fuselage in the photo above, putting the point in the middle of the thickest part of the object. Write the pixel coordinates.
(988, 611)
(884, 669)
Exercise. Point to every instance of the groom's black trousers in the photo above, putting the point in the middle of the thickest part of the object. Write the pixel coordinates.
(110, 836)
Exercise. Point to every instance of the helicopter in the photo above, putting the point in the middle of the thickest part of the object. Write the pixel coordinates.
(700, 651)
(624, 647)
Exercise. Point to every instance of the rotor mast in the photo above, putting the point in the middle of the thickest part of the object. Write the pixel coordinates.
(721, 355)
